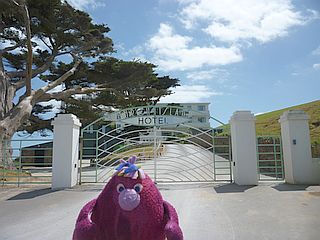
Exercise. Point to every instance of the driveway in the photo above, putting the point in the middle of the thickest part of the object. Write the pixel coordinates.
(206, 212)
(178, 163)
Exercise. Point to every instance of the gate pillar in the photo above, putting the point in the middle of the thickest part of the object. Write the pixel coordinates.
(65, 151)
(298, 165)
(244, 150)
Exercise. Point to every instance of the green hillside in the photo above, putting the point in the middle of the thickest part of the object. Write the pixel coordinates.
(267, 123)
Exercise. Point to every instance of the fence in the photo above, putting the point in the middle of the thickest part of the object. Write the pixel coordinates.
(222, 158)
(270, 160)
(166, 154)
(26, 162)
(315, 150)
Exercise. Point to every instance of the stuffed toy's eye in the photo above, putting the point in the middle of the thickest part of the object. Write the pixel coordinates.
(138, 187)
(120, 188)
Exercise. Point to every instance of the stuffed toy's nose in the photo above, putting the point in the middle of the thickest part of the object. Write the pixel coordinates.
(129, 199)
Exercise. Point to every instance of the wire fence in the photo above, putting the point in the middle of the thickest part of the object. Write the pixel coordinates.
(26, 161)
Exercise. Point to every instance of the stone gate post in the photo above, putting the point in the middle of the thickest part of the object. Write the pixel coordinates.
(66, 128)
(298, 165)
(244, 150)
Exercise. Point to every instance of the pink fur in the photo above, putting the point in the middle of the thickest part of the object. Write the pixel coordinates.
(152, 219)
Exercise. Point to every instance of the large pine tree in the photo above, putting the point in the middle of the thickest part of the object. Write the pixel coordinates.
(51, 51)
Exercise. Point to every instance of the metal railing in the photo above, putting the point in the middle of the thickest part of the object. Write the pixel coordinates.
(26, 161)
(222, 158)
(270, 158)
(184, 154)
(315, 149)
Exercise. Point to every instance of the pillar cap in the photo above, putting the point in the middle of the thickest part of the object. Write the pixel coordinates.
(243, 115)
(294, 115)
(66, 119)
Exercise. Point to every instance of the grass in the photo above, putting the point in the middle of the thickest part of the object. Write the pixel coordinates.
(10, 175)
(267, 123)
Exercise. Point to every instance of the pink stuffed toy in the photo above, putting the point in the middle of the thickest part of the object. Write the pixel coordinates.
(130, 207)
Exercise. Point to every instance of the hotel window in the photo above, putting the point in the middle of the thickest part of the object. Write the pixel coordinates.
(201, 108)
(202, 119)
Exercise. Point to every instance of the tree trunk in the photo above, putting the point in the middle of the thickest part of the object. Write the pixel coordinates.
(11, 118)
(7, 92)
(6, 160)
(5, 107)
(10, 124)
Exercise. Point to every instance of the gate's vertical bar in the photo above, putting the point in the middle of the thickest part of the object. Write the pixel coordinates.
(3, 159)
(281, 158)
(81, 155)
(257, 147)
(213, 158)
(97, 153)
(154, 152)
(230, 157)
(20, 162)
(275, 156)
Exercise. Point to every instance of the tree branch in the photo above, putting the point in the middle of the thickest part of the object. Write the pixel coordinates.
(8, 49)
(44, 42)
(57, 82)
(41, 69)
(35, 123)
(19, 84)
(15, 2)
(52, 43)
(61, 79)
(29, 46)
(36, 71)
(69, 92)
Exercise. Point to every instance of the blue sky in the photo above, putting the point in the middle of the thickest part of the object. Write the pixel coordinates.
(236, 54)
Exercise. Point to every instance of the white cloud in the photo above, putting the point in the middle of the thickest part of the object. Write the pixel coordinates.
(316, 51)
(234, 20)
(187, 1)
(217, 74)
(190, 93)
(230, 24)
(165, 39)
(173, 52)
(316, 66)
(138, 52)
(85, 4)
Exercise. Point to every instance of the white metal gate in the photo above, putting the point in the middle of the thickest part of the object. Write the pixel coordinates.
(172, 151)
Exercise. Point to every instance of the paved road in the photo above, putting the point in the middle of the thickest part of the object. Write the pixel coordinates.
(206, 212)
(182, 162)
